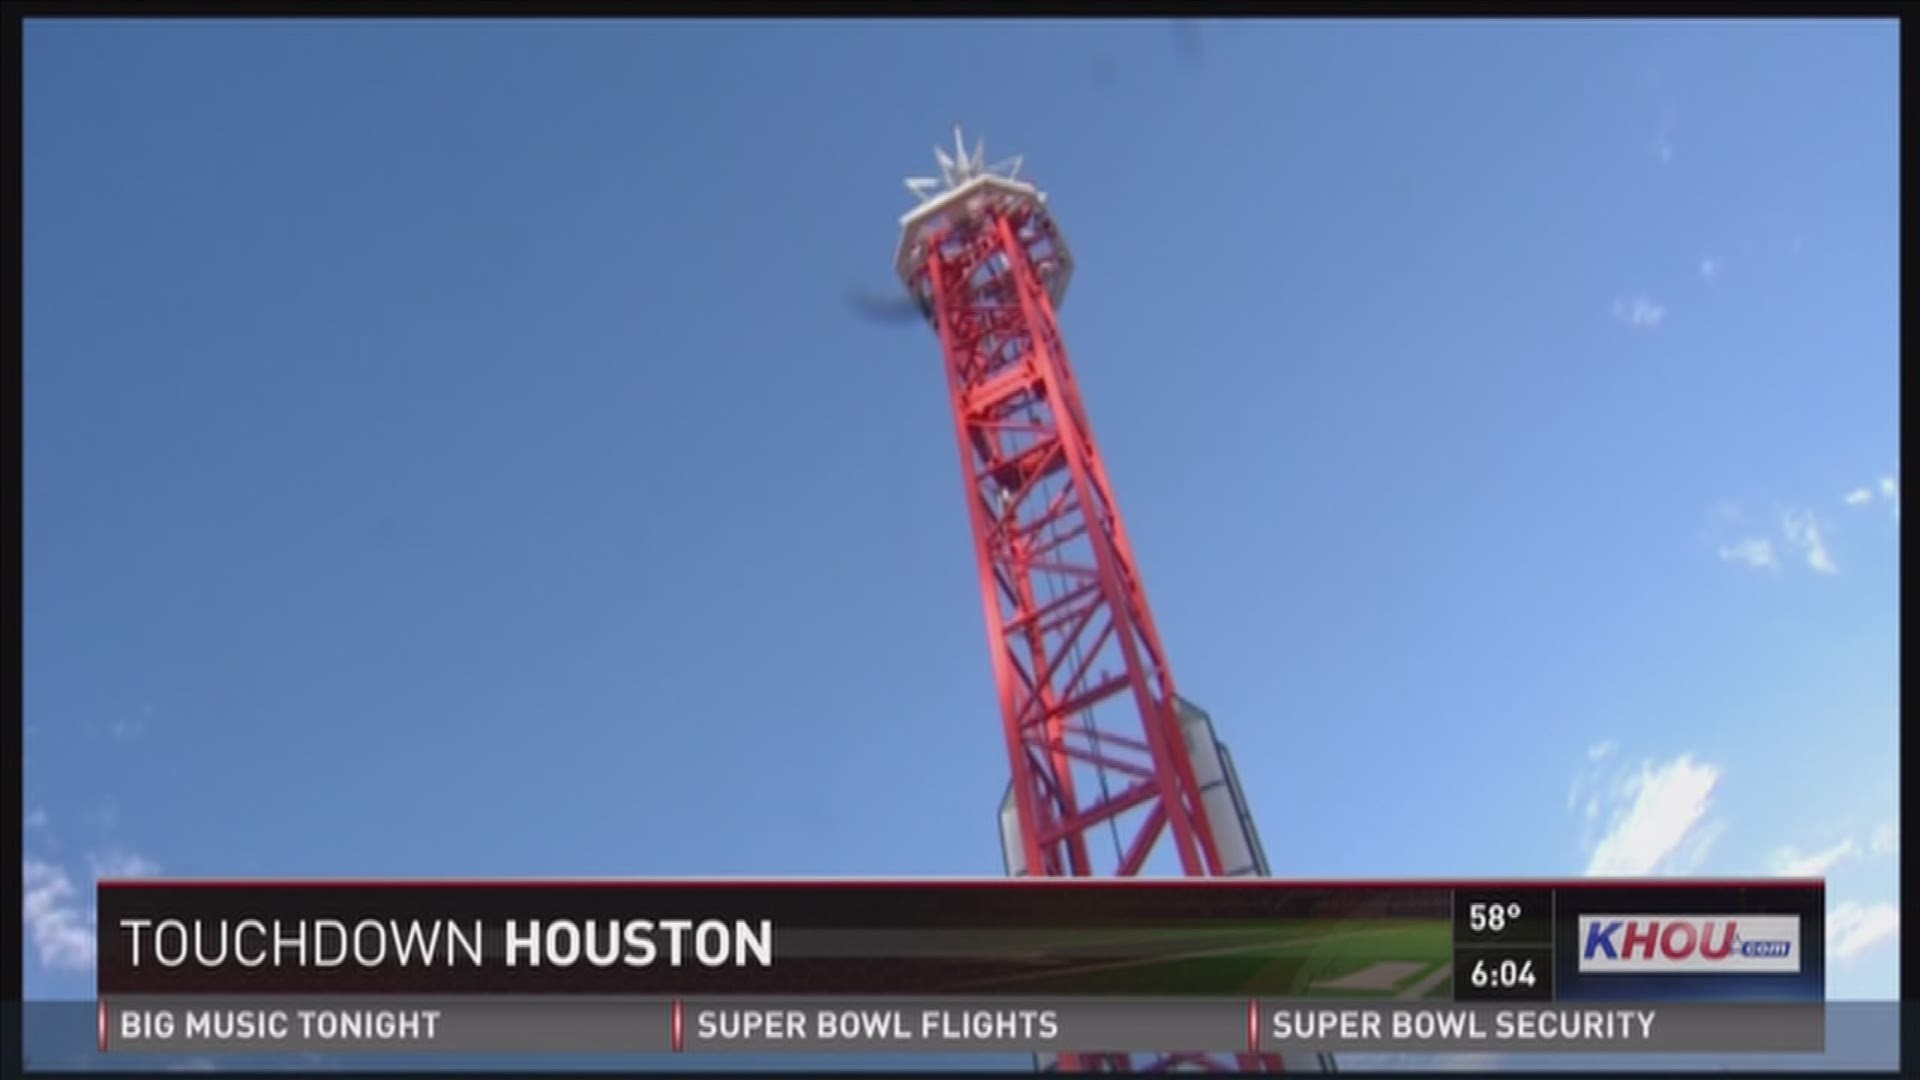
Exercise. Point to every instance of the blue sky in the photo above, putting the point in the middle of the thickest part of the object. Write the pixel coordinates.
(448, 450)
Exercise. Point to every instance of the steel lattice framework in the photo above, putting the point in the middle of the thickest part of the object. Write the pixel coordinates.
(1102, 776)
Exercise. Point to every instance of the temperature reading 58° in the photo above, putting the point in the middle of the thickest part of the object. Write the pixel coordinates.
(1485, 918)
(1503, 916)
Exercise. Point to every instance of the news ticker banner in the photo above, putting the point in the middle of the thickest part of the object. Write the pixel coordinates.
(608, 1025)
(778, 965)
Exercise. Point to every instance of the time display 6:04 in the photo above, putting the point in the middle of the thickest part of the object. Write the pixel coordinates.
(1502, 973)
(1508, 973)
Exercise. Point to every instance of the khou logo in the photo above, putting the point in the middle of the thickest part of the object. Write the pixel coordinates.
(1710, 944)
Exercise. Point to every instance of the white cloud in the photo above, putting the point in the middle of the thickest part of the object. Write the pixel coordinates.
(1710, 268)
(1659, 813)
(1756, 552)
(120, 865)
(1728, 510)
(36, 820)
(50, 917)
(1662, 146)
(1789, 862)
(52, 914)
(1639, 312)
(1601, 749)
(123, 728)
(1853, 927)
(1802, 530)
(1887, 490)
(1886, 840)
(1693, 855)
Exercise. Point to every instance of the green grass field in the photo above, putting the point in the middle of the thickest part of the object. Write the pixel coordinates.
(1352, 959)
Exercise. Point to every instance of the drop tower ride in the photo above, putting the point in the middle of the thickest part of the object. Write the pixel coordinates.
(1113, 774)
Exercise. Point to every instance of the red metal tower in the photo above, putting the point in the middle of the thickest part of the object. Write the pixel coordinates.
(1103, 753)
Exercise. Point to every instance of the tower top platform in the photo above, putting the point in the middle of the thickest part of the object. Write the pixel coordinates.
(966, 188)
